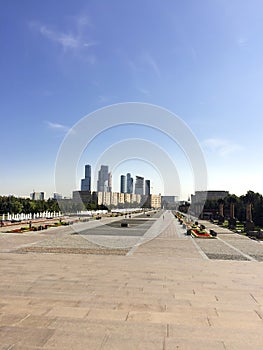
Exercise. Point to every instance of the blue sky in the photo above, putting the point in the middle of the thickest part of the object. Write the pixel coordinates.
(202, 60)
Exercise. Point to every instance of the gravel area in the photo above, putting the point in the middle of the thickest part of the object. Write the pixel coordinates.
(214, 246)
(245, 245)
(61, 250)
(103, 237)
(215, 249)
(226, 257)
(66, 241)
(74, 244)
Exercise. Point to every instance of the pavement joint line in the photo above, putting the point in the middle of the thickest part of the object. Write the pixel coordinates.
(252, 296)
(237, 250)
(11, 347)
(204, 256)
(259, 315)
(104, 340)
(24, 318)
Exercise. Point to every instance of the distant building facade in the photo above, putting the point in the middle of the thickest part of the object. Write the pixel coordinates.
(37, 196)
(129, 183)
(84, 197)
(147, 187)
(139, 185)
(169, 202)
(57, 196)
(155, 200)
(123, 184)
(103, 179)
(118, 199)
(109, 182)
(199, 198)
(86, 182)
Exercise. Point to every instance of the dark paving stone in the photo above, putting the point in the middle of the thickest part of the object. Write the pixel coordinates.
(64, 250)
(113, 232)
(226, 257)
(132, 222)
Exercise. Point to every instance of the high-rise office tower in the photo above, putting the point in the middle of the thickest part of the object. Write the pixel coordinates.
(123, 183)
(129, 183)
(86, 182)
(103, 179)
(147, 187)
(139, 185)
(131, 188)
(109, 182)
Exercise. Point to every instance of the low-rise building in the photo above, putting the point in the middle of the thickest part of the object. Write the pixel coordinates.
(155, 200)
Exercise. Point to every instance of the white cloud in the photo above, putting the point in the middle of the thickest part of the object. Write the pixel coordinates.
(66, 40)
(103, 99)
(144, 91)
(57, 126)
(73, 39)
(221, 146)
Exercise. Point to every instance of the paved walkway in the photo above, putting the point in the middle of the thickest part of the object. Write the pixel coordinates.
(165, 295)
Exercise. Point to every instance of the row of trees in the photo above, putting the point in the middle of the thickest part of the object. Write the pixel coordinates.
(16, 205)
(240, 203)
(12, 204)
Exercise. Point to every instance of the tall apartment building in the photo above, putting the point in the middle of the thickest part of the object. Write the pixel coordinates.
(129, 183)
(86, 182)
(139, 185)
(110, 182)
(123, 184)
(147, 187)
(103, 179)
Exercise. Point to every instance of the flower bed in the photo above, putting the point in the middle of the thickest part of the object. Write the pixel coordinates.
(200, 234)
(41, 227)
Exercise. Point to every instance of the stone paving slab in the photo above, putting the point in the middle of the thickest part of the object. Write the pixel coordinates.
(164, 295)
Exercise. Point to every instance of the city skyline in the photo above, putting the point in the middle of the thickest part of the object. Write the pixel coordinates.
(202, 62)
(104, 182)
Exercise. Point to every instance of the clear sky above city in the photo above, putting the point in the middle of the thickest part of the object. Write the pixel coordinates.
(61, 60)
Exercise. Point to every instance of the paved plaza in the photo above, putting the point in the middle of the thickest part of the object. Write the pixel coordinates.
(98, 285)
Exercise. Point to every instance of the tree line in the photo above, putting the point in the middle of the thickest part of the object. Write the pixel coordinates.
(240, 203)
(16, 205)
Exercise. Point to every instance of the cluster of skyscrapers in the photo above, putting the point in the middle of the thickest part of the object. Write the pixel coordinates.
(141, 187)
(130, 194)
(104, 182)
